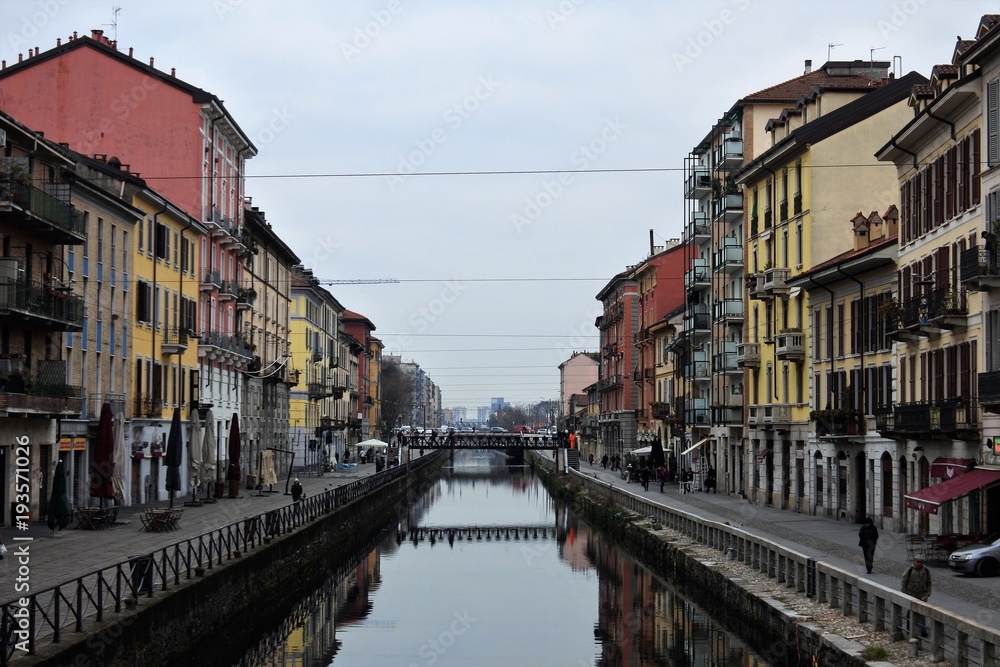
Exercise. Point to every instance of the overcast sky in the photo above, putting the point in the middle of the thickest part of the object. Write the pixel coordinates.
(498, 271)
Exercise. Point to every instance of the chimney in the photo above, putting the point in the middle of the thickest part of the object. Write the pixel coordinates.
(74, 34)
(652, 248)
(151, 61)
(130, 52)
(809, 66)
(97, 35)
(173, 71)
(58, 41)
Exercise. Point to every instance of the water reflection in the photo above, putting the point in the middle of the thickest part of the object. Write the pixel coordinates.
(446, 586)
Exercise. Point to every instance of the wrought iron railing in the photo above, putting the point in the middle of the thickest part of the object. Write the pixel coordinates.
(45, 616)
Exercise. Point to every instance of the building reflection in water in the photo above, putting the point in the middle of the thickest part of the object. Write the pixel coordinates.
(641, 620)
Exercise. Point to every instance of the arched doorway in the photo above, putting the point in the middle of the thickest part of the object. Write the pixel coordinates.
(860, 487)
(885, 495)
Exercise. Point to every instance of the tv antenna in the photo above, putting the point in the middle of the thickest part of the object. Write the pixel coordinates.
(829, 50)
(114, 21)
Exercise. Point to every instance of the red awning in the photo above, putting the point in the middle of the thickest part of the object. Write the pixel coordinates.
(946, 468)
(930, 499)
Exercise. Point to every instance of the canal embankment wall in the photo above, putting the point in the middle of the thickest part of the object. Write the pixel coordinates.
(672, 542)
(211, 617)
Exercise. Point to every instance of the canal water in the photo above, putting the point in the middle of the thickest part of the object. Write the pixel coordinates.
(440, 590)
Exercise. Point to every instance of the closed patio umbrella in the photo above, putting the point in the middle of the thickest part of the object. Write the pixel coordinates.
(118, 475)
(175, 447)
(102, 463)
(194, 454)
(233, 473)
(209, 456)
(58, 502)
(268, 476)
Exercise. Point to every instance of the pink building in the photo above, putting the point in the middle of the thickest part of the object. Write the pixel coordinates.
(575, 375)
(617, 391)
(183, 141)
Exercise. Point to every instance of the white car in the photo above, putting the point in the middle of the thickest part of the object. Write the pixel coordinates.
(542, 431)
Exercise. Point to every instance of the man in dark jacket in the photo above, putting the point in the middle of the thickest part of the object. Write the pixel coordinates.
(867, 537)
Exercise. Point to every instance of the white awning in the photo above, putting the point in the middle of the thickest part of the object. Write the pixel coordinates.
(696, 445)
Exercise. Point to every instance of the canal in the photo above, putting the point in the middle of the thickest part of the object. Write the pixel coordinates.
(545, 590)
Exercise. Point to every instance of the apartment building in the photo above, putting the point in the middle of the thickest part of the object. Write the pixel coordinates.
(38, 309)
(617, 389)
(113, 104)
(945, 317)
(799, 218)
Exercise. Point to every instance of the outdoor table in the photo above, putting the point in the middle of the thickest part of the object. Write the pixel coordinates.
(160, 520)
(91, 518)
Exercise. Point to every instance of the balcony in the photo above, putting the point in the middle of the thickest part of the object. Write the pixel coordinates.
(245, 298)
(698, 229)
(838, 422)
(729, 259)
(697, 370)
(989, 391)
(727, 415)
(797, 203)
(116, 401)
(228, 289)
(783, 210)
(935, 311)
(33, 305)
(728, 207)
(729, 154)
(146, 405)
(697, 323)
(770, 416)
(724, 362)
(659, 410)
(728, 311)
(978, 270)
(31, 209)
(227, 348)
(698, 184)
(696, 412)
(748, 355)
(210, 281)
(697, 277)
(790, 345)
(316, 391)
(948, 419)
(175, 341)
(773, 283)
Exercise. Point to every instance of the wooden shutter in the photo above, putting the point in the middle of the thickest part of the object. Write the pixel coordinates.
(993, 122)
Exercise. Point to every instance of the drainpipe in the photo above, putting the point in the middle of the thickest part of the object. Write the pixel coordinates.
(916, 164)
(941, 120)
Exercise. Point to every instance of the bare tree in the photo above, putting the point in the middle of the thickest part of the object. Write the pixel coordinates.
(397, 396)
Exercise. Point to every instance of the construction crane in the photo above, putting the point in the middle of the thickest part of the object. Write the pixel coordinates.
(374, 281)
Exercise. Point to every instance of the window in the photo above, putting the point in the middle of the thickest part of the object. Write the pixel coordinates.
(143, 301)
(125, 251)
(86, 236)
(176, 243)
(114, 231)
(993, 122)
(140, 226)
(100, 239)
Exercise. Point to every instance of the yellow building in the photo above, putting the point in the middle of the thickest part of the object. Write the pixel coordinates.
(318, 418)
(799, 218)
(162, 329)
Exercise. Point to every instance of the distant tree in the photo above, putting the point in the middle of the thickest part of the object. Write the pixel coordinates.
(397, 388)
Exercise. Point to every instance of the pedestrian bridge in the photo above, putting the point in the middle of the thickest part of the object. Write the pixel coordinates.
(454, 440)
(435, 534)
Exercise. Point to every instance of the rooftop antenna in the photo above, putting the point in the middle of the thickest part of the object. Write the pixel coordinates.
(114, 21)
(871, 58)
(829, 50)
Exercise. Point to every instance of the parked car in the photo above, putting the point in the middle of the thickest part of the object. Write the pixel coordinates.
(982, 558)
(498, 429)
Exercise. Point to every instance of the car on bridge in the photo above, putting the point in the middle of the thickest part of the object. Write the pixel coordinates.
(522, 429)
(498, 429)
(542, 431)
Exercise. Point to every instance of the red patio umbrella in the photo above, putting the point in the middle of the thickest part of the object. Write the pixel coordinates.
(233, 473)
(102, 464)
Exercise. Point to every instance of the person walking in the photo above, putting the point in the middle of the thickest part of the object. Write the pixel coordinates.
(917, 583)
(644, 478)
(917, 580)
(867, 537)
(604, 461)
(296, 491)
(662, 473)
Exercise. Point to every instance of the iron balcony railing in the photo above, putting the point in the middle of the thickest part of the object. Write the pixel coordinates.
(948, 418)
(61, 215)
(989, 388)
(42, 305)
(226, 342)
